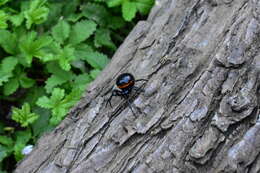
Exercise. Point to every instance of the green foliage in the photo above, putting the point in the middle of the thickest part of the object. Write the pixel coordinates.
(130, 7)
(37, 13)
(24, 116)
(60, 32)
(59, 103)
(50, 51)
(81, 31)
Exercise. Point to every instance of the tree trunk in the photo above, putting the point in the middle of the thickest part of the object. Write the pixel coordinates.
(200, 109)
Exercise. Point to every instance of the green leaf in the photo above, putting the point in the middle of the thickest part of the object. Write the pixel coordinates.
(81, 31)
(3, 153)
(31, 46)
(96, 12)
(7, 66)
(18, 151)
(8, 41)
(96, 59)
(74, 17)
(102, 38)
(144, 6)
(116, 22)
(25, 81)
(3, 20)
(57, 95)
(59, 103)
(6, 140)
(32, 95)
(81, 49)
(37, 13)
(94, 73)
(114, 3)
(65, 57)
(44, 102)
(22, 137)
(24, 115)
(41, 125)
(70, 7)
(11, 86)
(129, 10)
(60, 32)
(17, 20)
(54, 81)
(55, 69)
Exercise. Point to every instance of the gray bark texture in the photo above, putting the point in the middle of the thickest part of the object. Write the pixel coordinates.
(200, 109)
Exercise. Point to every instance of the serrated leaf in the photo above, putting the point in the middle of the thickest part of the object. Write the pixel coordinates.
(81, 31)
(59, 103)
(55, 69)
(3, 20)
(44, 102)
(65, 57)
(17, 20)
(57, 95)
(25, 81)
(6, 140)
(11, 86)
(81, 49)
(37, 13)
(129, 10)
(114, 3)
(24, 115)
(60, 32)
(31, 46)
(8, 41)
(102, 38)
(96, 59)
(54, 81)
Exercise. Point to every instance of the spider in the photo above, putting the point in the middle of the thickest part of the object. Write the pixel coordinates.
(125, 84)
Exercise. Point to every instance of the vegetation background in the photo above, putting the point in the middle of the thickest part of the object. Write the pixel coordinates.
(50, 50)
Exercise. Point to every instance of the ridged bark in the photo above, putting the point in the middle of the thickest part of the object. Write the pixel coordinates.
(200, 111)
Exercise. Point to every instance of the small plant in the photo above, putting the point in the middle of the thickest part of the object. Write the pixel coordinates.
(49, 52)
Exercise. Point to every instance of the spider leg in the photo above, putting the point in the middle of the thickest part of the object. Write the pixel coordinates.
(129, 104)
(141, 80)
(110, 98)
(138, 89)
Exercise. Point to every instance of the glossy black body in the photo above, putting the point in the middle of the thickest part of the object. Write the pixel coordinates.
(125, 83)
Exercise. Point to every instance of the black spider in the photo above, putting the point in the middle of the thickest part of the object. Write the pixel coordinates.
(125, 84)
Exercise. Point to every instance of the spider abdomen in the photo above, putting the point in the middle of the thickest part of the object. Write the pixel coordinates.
(125, 81)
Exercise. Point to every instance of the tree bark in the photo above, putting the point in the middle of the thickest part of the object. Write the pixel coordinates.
(200, 109)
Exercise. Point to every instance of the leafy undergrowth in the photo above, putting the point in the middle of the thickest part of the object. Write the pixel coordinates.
(50, 50)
